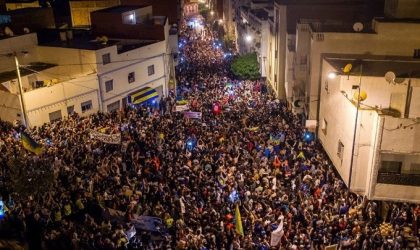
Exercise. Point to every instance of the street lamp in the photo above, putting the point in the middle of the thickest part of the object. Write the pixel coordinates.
(220, 21)
(332, 75)
(212, 13)
(248, 38)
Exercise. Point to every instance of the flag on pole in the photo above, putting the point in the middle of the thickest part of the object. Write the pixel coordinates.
(238, 222)
(29, 144)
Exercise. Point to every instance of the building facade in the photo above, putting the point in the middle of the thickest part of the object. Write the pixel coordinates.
(72, 71)
(314, 39)
(80, 10)
(287, 14)
(373, 142)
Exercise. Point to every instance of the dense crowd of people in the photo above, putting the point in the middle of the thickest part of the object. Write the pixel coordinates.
(248, 152)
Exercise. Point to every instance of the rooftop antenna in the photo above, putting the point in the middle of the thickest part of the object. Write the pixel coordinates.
(357, 27)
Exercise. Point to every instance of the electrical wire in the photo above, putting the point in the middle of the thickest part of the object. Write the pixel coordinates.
(112, 94)
(402, 126)
(101, 63)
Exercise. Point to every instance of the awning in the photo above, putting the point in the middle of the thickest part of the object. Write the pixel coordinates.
(143, 95)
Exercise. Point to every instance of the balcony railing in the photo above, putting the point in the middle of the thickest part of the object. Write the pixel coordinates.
(399, 179)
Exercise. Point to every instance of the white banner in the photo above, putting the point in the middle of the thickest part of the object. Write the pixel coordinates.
(180, 108)
(111, 139)
(192, 115)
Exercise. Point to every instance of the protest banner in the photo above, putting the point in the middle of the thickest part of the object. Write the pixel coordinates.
(111, 139)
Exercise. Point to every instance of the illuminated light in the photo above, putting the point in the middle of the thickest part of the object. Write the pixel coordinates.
(248, 38)
(1, 209)
(308, 137)
(332, 75)
(212, 13)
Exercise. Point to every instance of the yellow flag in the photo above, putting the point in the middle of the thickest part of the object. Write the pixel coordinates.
(238, 222)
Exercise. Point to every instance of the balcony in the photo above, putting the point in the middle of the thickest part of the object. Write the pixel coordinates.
(399, 179)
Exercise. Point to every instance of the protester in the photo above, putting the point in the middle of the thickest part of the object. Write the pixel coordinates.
(251, 153)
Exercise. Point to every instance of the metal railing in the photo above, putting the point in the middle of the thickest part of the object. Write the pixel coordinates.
(399, 179)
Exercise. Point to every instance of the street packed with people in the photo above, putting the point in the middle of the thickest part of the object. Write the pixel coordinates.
(237, 171)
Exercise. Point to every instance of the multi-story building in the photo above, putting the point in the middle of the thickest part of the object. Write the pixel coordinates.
(66, 71)
(402, 9)
(255, 31)
(27, 20)
(373, 139)
(287, 13)
(80, 10)
(314, 39)
(20, 4)
(190, 8)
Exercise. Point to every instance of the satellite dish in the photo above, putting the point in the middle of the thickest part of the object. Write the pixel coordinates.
(361, 97)
(347, 68)
(390, 77)
(297, 103)
(8, 31)
(358, 26)
(26, 30)
(104, 40)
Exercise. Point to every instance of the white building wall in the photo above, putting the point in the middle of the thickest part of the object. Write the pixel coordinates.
(136, 61)
(10, 109)
(70, 62)
(40, 102)
(382, 43)
(24, 43)
(375, 135)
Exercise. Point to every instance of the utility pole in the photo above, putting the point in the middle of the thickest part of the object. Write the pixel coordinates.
(355, 127)
(22, 102)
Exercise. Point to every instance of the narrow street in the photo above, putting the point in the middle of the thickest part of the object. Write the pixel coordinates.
(248, 150)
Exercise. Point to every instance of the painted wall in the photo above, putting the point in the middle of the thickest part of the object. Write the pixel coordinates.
(70, 61)
(40, 102)
(27, 43)
(10, 109)
(382, 43)
(80, 10)
(375, 135)
(136, 61)
(15, 6)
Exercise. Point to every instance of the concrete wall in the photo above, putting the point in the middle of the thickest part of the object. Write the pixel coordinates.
(280, 22)
(18, 44)
(382, 43)
(80, 10)
(10, 109)
(15, 6)
(112, 25)
(169, 8)
(377, 137)
(400, 140)
(402, 8)
(40, 102)
(133, 61)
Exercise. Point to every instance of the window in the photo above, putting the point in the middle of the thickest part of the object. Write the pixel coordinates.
(151, 70)
(55, 116)
(70, 110)
(390, 167)
(86, 106)
(106, 58)
(113, 106)
(340, 150)
(109, 85)
(324, 126)
(131, 77)
(416, 53)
